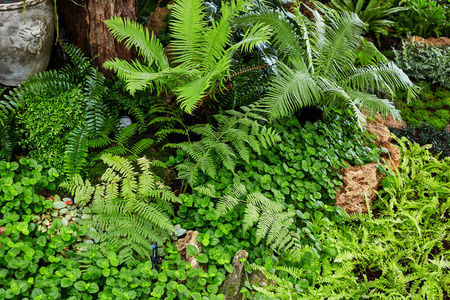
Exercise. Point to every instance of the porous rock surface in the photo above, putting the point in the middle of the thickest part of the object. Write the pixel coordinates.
(189, 239)
(442, 42)
(361, 182)
(233, 283)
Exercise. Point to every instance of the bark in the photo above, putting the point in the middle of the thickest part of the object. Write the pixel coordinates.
(83, 23)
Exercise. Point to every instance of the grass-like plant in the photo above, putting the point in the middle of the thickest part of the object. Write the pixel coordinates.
(321, 70)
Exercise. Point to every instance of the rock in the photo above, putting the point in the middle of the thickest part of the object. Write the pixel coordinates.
(234, 281)
(155, 22)
(359, 183)
(377, 127)
(392, 123)
(189, 239)
(447, 128)
(63, 211)
(393, 157)
(258, 278)
(59, 205)
(64, 222)
(442, 42)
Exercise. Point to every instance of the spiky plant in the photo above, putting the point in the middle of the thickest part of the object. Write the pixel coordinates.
(200, 54)
(321, 65)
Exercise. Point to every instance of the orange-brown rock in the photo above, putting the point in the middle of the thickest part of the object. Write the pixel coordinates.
(392, 123)
(447, 128)
(377, 127)
(155, 22)
(442, 42)
(360, 183)
(359, 188)
(189, 239)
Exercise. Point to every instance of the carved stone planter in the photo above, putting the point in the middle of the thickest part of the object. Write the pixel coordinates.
(25, 38)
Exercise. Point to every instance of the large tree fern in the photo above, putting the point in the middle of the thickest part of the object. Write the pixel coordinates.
(321, 67)
(200, 54)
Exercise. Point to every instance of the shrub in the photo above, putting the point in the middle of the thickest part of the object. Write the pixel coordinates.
(424, 62)
(46, 118)
(427, 135)
(432, 107)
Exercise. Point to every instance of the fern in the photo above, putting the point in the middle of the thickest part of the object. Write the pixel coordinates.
(320, 68)
(130, 209)
(405, 247)
(237, 134)
(201, 57)
(76, 152)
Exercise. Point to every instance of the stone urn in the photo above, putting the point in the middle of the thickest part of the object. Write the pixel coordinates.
(26, 38)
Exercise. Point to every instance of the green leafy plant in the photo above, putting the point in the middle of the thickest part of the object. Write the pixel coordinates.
(426, 135)
(279, 198)
(201, 54)
(321, 65)
(237, 134)
(422, 18)
(376, 14)
(424, 62)
(130, 209)
(402, 253)
(432, 108)
(20, 184)
(45, 126)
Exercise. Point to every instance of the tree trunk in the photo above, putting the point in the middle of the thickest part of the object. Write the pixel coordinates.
(83, 23)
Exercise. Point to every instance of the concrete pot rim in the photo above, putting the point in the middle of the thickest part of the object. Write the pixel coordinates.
(19, 4)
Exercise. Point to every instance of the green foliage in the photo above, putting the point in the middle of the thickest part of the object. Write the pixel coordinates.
(45, 125)
(201, 53)
(376, 14)
(38, 266)
(236, 135)
(79, 88)
(403, 253)
(433, 107)
(424, 62)
(422, 18)
(321, 65)
(20, 184)
(426, 135)
(130, 209)
(282, 196)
